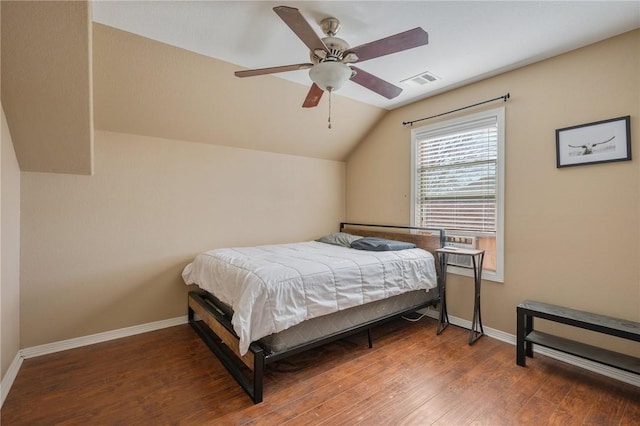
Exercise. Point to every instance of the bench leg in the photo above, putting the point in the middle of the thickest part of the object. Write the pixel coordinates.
(528, 328)
(520, 334)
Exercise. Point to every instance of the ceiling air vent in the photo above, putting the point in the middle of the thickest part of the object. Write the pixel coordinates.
(421, 79)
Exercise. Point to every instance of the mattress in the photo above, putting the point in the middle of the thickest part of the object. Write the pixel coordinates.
(327, 325)
(272, 288)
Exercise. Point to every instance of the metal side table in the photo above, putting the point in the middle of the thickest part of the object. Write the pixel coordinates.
(477, 257)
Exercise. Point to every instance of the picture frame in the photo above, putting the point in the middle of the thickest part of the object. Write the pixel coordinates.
(592, 143)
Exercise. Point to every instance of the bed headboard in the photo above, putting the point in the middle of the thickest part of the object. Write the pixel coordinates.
(428, 239)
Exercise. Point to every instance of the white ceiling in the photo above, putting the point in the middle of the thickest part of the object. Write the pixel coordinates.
(468, 40)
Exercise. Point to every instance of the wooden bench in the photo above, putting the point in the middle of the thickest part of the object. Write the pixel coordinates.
(527, 336)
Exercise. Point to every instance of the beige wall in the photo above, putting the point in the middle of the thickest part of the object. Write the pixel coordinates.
(571, 235)
(145, 87)
(47, 83)
(106, 251)
(10, 250)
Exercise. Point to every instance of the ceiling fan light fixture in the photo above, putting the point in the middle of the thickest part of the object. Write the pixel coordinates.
(330, 75)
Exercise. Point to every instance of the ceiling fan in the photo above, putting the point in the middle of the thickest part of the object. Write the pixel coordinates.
(331, 57)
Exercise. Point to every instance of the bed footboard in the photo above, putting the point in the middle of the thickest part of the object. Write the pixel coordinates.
(216, 331)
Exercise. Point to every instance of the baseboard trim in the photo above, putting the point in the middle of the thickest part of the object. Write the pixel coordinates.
(91, 339)
(488, 331)
(10, 377)
(605, 370)
(49, 348)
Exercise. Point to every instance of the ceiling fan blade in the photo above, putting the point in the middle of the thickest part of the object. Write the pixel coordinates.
(272, 70)
(392, 44)
(294, 19)
(313, 97)
(375, 84)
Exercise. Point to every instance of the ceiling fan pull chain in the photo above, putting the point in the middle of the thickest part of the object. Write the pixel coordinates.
(329, 90)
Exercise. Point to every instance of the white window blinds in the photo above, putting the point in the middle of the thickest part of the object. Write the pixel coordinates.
(456, 176)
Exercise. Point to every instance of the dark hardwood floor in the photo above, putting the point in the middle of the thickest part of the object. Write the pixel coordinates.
(411, 376)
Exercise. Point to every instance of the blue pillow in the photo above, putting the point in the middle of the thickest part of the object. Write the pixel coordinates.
(380, 244)
(339, 239)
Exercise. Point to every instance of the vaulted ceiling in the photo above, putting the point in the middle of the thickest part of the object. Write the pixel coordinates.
(146, 87)
(165, 69)
(468, 40)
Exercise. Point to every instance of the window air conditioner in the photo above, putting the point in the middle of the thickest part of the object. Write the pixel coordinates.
(460, 242)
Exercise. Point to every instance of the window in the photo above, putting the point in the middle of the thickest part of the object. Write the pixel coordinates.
(458, 184)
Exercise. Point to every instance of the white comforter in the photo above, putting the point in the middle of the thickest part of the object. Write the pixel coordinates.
(272, 288)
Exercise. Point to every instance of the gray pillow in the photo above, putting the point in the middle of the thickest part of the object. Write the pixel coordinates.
(339, 239)
(380, 244)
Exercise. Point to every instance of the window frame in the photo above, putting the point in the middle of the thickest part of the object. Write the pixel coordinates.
(418, 134)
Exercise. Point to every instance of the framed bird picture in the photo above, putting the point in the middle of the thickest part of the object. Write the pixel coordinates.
(598, 142)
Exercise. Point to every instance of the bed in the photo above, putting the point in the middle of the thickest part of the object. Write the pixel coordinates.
(258, 305)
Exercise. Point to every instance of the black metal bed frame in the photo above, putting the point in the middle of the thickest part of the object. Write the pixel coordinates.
(250, 375)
